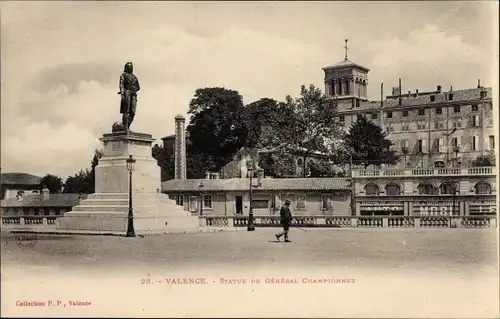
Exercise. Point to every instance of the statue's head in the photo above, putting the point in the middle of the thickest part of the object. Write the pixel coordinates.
(129, 67)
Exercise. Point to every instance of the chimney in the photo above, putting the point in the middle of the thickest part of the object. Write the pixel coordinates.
(400, 91)
(416, 93)
(180, 147)
(45, 193)
(439, 88)
(478, 83)
(451, 88)
(409, 94)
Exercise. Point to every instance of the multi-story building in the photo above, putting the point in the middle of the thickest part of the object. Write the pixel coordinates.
(436, 128)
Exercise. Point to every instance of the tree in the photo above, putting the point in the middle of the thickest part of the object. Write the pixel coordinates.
(216, 129)
(81, 182)
(369, 144)
(405, 151)
(321, 168)
(52, 182)
(166, 160)
(303, 126)
(84, 180)
(258, 116)
(484, 160)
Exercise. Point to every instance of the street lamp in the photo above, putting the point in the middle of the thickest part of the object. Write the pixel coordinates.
(251, 225)
(130, 227)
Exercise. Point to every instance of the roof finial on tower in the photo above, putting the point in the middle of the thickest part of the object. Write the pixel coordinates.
(346, 48)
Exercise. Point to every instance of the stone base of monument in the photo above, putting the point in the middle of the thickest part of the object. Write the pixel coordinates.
(107, 210)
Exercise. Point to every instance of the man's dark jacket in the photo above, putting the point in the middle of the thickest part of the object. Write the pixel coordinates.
(286, 215)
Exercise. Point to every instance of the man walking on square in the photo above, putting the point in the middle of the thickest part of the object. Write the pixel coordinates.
(286, 219)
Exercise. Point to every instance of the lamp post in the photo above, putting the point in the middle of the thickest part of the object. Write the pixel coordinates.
(251, 225)
(130, 226)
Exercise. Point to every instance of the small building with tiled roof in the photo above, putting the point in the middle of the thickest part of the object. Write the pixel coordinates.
(231, 196)
(39, 205)
(13, 183)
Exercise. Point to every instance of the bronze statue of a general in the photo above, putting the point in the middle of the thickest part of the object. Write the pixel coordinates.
(129, 86)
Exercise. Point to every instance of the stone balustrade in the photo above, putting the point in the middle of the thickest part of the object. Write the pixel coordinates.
(28, 221)
(454, 171)
(476, 221)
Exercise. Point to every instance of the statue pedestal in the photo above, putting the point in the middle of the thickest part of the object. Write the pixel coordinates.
(107, 210)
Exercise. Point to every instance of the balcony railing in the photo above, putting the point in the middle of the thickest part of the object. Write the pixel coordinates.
(476, 221)
(391, 172)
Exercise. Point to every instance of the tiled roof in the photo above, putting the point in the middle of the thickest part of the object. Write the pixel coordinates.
(54, 200)
(424, 100)
(345, 63)
(242, 184)
(19, 179)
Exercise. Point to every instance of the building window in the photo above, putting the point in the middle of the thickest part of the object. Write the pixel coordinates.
(492, 142)
(260, 203)
(327, 202)
(475, 108)
(438, 164)
(457, 123)
(405, 126)
(482, 188)
(26, 212)
(439, 145)
(389, 115)
(179, 200)
(374, 116)
(405, 113)
(342, 118)
(433, 98)
(357, 103)
(193, 203)
(425, 189)
(421, 125)
(439, 110)
(456, 109)
(371, 189)
(450, 97)
(46, 211)
(207, 201)
(404, 144)
(421, 146)
(392, 189)
(447, 188)
(483, 94)
(475, 120)
(474, 143)
(300, 202)
(421, 112)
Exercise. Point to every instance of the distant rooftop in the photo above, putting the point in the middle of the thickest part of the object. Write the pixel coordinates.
(20, 179)
(54, 200)
(466, 95)
(346, 63)
(241, 184)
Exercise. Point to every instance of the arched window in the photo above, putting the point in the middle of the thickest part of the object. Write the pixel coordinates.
(371, 189)
(438, 164)
(392, 189)
(447, 188)
(299, 162)
(482, 188)
(425, 189)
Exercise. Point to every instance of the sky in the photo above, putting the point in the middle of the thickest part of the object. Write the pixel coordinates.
(61, 61)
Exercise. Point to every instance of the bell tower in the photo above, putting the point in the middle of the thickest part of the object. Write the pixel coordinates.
(346, 79)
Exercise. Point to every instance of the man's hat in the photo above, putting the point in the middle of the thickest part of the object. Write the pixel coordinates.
(287, 201)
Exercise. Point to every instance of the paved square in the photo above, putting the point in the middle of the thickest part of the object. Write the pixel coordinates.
(398, 272)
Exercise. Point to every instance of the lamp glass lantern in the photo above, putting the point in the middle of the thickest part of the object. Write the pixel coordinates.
(130, 163)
